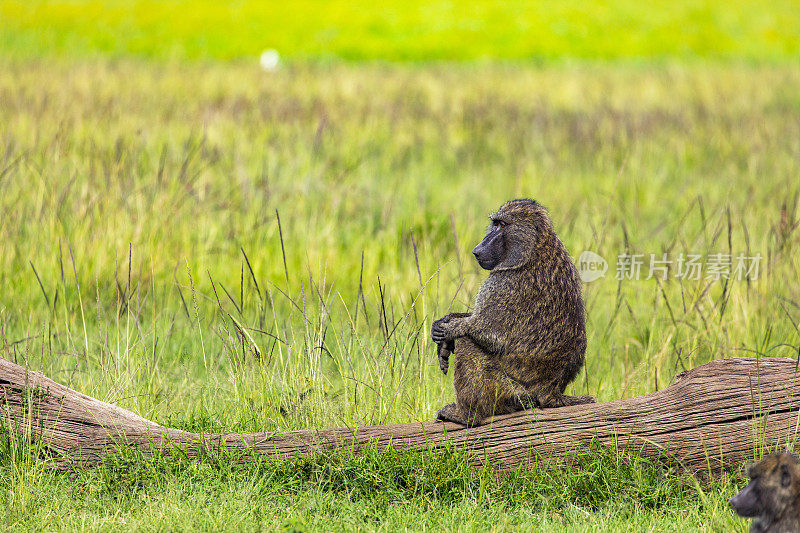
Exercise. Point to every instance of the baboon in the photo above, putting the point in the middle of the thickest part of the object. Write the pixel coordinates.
(773, 495)
(526, 337)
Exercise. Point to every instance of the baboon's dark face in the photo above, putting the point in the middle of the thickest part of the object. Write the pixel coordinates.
(512, 234)
(492, 249)
(747, 503)
(773, 487)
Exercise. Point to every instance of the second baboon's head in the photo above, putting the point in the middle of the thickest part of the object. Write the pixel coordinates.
(513, 235)
(774, 486)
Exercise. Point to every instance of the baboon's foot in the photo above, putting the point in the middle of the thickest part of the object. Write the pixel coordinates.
(451, 413)
(578, 400)
(562, 400)
(519, 403)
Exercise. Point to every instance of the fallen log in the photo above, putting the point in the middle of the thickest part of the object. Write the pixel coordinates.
(711, 418)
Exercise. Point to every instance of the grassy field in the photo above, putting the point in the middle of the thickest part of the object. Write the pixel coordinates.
(147, 209)
(220, 248)
(413, 30)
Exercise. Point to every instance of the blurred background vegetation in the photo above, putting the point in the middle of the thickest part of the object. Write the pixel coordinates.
(414, 30)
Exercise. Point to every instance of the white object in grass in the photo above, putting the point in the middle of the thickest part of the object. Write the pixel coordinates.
(270, 60)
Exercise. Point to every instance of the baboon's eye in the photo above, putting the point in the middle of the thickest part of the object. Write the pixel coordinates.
(786, 477)
(498, 223)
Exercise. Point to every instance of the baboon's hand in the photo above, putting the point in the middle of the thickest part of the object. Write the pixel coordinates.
(440, 331)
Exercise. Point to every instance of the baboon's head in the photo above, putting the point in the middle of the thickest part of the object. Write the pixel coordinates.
(774, 486)
(513, 235)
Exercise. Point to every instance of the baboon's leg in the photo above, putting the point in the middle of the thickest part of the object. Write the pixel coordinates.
(481, 388)
(544, 378)
(469, 360)
(555, 397)
(470, 416)
(544, 400)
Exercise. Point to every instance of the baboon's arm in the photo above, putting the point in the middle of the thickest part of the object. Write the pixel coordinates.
(481, 332)
(474, 326)
(438, 325)
(450, 316)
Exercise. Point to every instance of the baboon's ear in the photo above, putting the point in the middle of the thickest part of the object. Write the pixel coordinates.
(786, 476)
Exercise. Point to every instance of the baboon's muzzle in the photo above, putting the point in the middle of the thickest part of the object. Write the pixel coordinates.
(489, 251)
(745, 503)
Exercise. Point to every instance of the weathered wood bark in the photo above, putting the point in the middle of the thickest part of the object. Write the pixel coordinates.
(713, 417)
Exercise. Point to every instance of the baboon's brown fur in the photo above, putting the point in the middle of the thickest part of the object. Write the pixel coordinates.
(526, 337)
(773, 495)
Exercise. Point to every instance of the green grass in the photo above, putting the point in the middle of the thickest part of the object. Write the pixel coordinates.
(128, 187)
(745, 29)
(385, 490)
